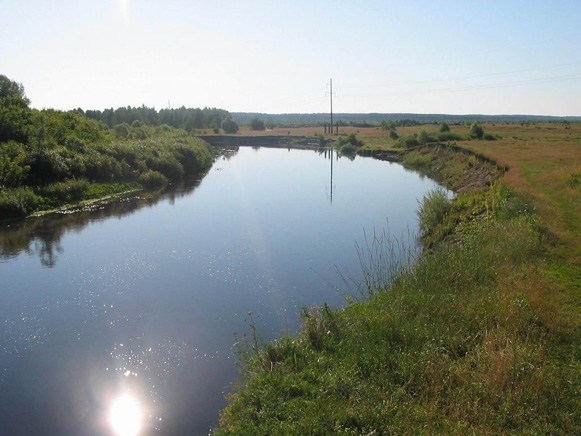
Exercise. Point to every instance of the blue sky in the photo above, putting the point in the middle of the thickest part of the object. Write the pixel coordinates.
(457, 57)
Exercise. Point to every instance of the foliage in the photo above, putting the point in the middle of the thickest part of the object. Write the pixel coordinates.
(71, 191)
(444, 127)
(393, 134)
(476, 131)
(14, 111)
(417, 160)
(180, 118)
(12, 170)
(424, 137)
(388, 125)
(61, 156)
(18, 202)
(433, 209)
(407, 141)
(256, 124)
(152, 179)
(574, 180)
(229, 126)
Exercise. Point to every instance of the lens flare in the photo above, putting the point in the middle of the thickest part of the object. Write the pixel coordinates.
(125, 416)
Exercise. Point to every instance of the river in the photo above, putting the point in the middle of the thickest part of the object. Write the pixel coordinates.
(140, 299)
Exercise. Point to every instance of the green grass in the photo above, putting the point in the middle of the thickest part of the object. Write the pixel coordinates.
(469, 341)
(480, 336)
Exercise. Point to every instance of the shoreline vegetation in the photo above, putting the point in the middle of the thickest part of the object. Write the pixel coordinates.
(53, 160)
(476, 336)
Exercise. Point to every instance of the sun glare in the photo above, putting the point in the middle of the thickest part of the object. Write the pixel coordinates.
(124, 5)
(125, 416)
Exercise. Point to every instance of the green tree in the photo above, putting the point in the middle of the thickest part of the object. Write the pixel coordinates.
(230, 126)
(476, 131)
(444, 127)
(256, 124)
(387, 125)
(424, 137)
(14, 111)
(393, 134)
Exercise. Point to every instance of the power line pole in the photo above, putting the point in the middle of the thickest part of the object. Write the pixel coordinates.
(331, 95)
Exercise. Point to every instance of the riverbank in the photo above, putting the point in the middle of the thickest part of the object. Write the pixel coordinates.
(475, 338)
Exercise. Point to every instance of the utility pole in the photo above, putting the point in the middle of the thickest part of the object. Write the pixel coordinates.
(331, 95)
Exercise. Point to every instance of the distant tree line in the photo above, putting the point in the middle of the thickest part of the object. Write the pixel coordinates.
(376, 118)
(179, 118)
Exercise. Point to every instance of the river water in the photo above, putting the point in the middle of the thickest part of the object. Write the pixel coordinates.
(140, 299)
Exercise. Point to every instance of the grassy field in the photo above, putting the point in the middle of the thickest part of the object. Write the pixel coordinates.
(481, 336)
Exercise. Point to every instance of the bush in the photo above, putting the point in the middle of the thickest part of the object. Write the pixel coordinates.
(256, 124)
(476, 131)
(407, 141)
(18, 203)
(122, 130)
(393, 134)
(66, 192)
(444, 127)
(424, 137)
(417, 160)
(152, 180)
(574, 180)
(489, 137)
(168, 165)
(229, 126)
(449, 136)
(433, 209)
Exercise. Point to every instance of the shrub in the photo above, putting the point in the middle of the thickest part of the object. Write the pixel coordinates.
(18, 203)
(490, 137)
(417, 160)
(574, 180)
(229, 126)
(444, 127)
(476, 131)
(449, 136)
(168, 165)
(424, 137)
(407, 141)
(256, 124)
(433, 209)
(393, 134)
(122, 130)
(152, 180)
(66, 192)
(46, 165)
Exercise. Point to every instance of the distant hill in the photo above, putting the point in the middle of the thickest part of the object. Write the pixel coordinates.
(244, 117)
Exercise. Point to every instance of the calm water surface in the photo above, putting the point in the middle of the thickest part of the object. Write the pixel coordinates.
(143, 297)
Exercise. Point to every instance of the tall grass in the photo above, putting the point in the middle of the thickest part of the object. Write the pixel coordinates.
(463, 342)
(433, 209)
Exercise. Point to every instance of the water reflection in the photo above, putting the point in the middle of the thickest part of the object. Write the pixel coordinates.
(41, 236)
(147, 305)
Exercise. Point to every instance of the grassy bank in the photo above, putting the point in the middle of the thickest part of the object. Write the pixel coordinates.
(476, 338)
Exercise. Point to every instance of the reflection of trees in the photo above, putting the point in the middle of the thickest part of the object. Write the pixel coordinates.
(42, 236)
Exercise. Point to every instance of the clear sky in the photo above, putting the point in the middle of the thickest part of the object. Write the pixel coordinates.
(458, 57)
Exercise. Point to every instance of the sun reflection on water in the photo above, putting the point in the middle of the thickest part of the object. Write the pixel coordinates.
(125, 416)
